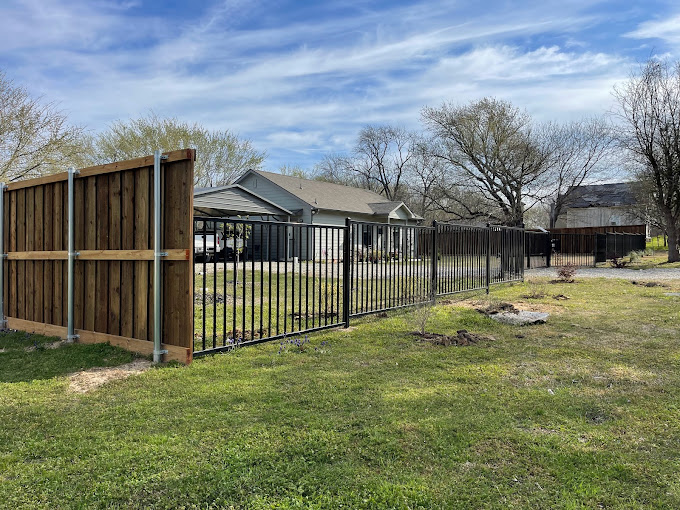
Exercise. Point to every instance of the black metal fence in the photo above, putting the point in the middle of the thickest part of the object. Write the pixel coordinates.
(258, 280)
(558, 249)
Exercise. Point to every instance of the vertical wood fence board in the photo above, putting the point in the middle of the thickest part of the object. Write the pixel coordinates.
(128, 243)
(114, 244)
(64, 264)
(4, 262)
(48, 236)
(80, 292)
(90, 244)
(178, 233)
(57, 218)
(149, 265)
(30, 246)
(102, 236)
(141, 242)
(38, 244)
(21, 246)
(12, 199)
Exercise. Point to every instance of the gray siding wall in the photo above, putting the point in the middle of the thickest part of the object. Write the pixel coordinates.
(597, 217)
(271, 191)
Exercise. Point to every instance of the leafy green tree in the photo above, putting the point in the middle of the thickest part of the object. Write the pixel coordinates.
(221, 155)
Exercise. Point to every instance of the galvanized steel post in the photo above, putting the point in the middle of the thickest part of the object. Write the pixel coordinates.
(2, 255)
(70, 330)
(157, 273)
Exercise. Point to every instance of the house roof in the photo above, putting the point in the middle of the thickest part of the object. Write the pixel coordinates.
(234, 200)
(602, 195)
(331, 196)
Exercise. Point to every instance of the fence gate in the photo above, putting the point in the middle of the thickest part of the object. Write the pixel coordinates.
(83, 249)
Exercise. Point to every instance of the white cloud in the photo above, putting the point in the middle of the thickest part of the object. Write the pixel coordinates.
(667, 29)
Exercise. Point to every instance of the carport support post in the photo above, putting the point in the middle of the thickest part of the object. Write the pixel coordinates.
(70, 327)
(2, 253)
(157, 273)
(346, 277)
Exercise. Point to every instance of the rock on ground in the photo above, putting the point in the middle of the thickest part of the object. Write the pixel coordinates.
(520, 318)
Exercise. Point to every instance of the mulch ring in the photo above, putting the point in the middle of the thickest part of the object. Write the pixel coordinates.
(462, 338)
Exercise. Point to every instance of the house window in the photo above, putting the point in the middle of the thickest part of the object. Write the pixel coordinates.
(368, 237)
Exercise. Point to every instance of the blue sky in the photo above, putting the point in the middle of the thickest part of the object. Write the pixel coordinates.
(300, 79)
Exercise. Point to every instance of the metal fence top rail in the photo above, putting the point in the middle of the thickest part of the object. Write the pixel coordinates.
(460, 225)
(521, 229)
(379, 224)
(268, 222)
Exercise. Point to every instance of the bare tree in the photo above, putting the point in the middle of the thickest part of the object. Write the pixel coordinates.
(381, 158)
(649, 115)
(221, 155)
(492, 148)
(35, 137)
(581, 152)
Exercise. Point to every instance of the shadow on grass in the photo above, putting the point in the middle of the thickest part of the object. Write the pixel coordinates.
(20, 365)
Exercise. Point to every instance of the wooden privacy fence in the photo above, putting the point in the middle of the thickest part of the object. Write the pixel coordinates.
(113, 251)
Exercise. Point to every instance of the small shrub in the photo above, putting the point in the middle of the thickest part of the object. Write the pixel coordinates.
(635, 256)
(421, 316)
(566, 272)
(618, 262)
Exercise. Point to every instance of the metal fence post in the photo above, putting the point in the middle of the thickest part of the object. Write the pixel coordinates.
(157, 273)
(346, 276)
(2, 255)
(70, 334)
(435, 268)
(488, 257)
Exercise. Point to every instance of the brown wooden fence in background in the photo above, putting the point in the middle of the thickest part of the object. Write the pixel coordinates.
(113, 272)
(619, 229)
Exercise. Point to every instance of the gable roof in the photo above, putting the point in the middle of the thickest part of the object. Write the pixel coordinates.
(602, 195)
(233, 200)
(331, 196)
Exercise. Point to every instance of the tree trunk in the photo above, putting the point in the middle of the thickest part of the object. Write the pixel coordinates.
(673, 252)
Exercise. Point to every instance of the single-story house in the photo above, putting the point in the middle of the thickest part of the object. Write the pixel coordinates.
(600, 205)
(267, 195)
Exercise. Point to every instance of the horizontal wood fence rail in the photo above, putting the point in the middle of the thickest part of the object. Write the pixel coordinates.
(113, 233)
(99, 255)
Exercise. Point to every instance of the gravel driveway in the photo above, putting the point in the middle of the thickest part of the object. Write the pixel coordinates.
(607, 272)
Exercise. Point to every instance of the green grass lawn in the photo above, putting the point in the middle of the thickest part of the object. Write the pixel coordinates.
(581, 412)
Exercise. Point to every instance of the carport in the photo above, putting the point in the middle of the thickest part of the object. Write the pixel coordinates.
(236, 202)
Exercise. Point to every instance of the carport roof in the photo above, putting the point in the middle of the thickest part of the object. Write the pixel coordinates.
(234, 200)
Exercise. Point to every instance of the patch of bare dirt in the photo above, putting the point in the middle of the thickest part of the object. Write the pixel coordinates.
(462, 338)
(90, 380)
(51, 345)
(495, 308)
